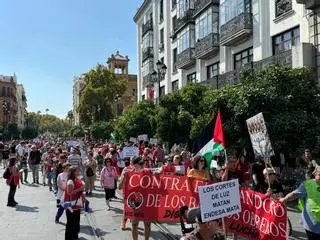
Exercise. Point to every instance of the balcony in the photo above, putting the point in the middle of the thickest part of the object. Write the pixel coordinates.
(232, 77)
(186, 59)
(207, 46)
(201, 5)
(184, 20)
(148, 26)
(147, 53)
(147, 80)
(236, 30)
(310, 4)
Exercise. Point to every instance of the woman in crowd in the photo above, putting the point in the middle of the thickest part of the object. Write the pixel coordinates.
(108, 176)
(13, 181)
(74, 194)
(61, 184)
(309, 192)
(168, 168)
(198, 171)
(90, 170)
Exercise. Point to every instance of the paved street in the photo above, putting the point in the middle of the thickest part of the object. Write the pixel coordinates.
(33, 218)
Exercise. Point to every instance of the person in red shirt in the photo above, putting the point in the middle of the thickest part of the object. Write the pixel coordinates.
(13, 181)
(168, 168)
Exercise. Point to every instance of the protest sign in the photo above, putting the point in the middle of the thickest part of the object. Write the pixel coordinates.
(130, 152)
(158, 197)
(132, 139)
(153, 141)
(73, 143)
(143, 137)
(219, 200)
(260, 140)
(260, 218)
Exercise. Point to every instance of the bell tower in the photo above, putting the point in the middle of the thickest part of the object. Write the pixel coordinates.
(118, 64)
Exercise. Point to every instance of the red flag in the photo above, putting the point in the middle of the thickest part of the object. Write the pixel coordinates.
(218, 132)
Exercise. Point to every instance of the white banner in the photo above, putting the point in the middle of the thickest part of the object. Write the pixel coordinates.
(153, 141)
(260, 140)
(130, 152)
(132, 139)
(143, 137)
(219, 200)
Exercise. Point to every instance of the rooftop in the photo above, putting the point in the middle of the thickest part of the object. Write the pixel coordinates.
(117, 57)
(141, 9)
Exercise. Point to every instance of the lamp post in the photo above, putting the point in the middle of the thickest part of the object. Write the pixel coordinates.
(158, 75)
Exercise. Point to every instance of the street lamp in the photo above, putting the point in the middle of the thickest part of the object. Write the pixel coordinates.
(158, 75)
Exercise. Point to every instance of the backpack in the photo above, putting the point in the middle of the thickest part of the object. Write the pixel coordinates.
(7, 173)
(89, 172)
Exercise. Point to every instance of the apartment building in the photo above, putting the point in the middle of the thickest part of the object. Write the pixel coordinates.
(211, 41)
(78, 85)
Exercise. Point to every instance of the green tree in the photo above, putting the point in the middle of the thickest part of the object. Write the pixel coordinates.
(139, 119)
(101, 130)
(70, 117)
(13, 131)
(77, 132)
(102, 88)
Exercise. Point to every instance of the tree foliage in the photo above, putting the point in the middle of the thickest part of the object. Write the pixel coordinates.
(101, 130)
(102, 88)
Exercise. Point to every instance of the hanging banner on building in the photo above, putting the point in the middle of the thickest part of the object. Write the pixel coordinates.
(130, 152)
(260, 140)
(158, 197)
(219, 200)
(260, 218)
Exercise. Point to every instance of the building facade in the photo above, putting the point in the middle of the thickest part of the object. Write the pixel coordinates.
(78, 85)
(119, 65)
(21, 106)
(211, 41)
(8, 99)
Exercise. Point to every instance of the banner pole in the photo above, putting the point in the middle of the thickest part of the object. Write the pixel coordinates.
(266, 166)
(224, 229)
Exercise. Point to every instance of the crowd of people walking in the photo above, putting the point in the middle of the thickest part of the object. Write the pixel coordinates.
(70, 172)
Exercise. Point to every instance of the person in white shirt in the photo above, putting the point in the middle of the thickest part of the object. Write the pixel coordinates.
(62, 184)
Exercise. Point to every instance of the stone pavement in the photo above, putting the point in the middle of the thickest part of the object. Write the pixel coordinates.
(33, 218)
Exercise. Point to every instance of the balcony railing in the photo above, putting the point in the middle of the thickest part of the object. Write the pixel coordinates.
(237, 29)
(148, 26)
(310, 4)
(147, 80)
(207, 46)
(186, 58)
(232, 77)
(147, 53)
(201, 5)
(185, 19)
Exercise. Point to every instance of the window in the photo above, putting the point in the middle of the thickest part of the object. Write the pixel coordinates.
(230, 9)
(283, 6)
(286, 40)
(242, 58)
(3, 91)
(143, 97)
(213, 70)
(162, 91)
(173, 4)
(175, 85)
(161, 47)
(147, 40)
(11, 92)
(161, 10)
(183, 6)
(162, 60)
(147, 67)
(174, 59)
(134, 92)
(185, 39)
(191, 78)
(207, 23)
(174, 22)
(8, 92)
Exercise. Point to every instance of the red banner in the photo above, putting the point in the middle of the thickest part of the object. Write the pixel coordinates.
(158, 197)
(261, 218)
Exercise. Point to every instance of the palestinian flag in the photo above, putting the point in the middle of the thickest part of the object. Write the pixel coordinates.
(216, 144)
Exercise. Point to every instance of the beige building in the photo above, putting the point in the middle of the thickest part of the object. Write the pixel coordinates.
(119, 65)
(21, 106)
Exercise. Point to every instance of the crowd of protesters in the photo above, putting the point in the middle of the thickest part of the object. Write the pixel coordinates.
(70, 173)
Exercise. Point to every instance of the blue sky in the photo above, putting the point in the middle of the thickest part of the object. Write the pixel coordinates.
(47, 42)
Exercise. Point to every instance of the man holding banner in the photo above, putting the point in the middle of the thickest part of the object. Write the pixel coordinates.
(309, 192)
